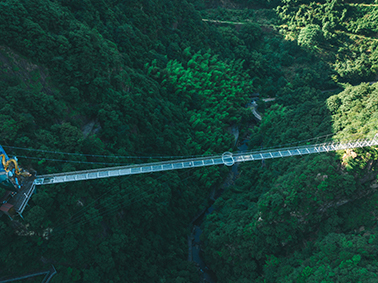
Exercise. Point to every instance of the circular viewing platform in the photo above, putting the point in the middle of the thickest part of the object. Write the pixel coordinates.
(227, 158)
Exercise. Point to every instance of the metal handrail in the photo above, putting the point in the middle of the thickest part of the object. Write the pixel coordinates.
(227, 159)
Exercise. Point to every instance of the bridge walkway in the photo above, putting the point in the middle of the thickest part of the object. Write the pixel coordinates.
(226, 158)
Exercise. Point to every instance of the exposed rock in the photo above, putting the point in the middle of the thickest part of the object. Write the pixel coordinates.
(92, 127)
(321, 177)
(12, 63)
(374, 186)
(235, 132)
(371, 176)
(348, 153)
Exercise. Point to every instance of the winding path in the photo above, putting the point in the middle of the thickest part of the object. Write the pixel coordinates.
(48, 275)
(253, 107)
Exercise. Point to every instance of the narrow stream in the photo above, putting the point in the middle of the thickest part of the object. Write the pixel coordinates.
(208, 275)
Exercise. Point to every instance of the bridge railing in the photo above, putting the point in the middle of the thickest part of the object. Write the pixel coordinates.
(226, 158)
(301, 150)
(129, 170)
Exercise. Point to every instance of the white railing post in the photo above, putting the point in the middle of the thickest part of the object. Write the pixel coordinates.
(227, 159)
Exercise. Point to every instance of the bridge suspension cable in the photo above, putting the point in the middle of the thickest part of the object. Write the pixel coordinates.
(150, 156)
(226, 158)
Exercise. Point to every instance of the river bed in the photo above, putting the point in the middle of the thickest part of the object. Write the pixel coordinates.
(208, 275)
(195, 250)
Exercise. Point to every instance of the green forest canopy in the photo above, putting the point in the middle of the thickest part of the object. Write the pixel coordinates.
(149, 78)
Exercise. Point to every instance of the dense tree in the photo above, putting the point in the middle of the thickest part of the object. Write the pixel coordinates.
(309, 36)
(88, 83)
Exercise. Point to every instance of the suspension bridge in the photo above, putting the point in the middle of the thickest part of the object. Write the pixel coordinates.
(19, 202)
(226, 158)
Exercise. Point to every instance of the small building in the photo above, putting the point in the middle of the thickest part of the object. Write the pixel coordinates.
(17, 183)
(5, 183)
(8, 209)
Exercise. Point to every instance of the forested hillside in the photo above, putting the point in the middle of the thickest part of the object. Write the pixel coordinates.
(94, 83)
(306, 219)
